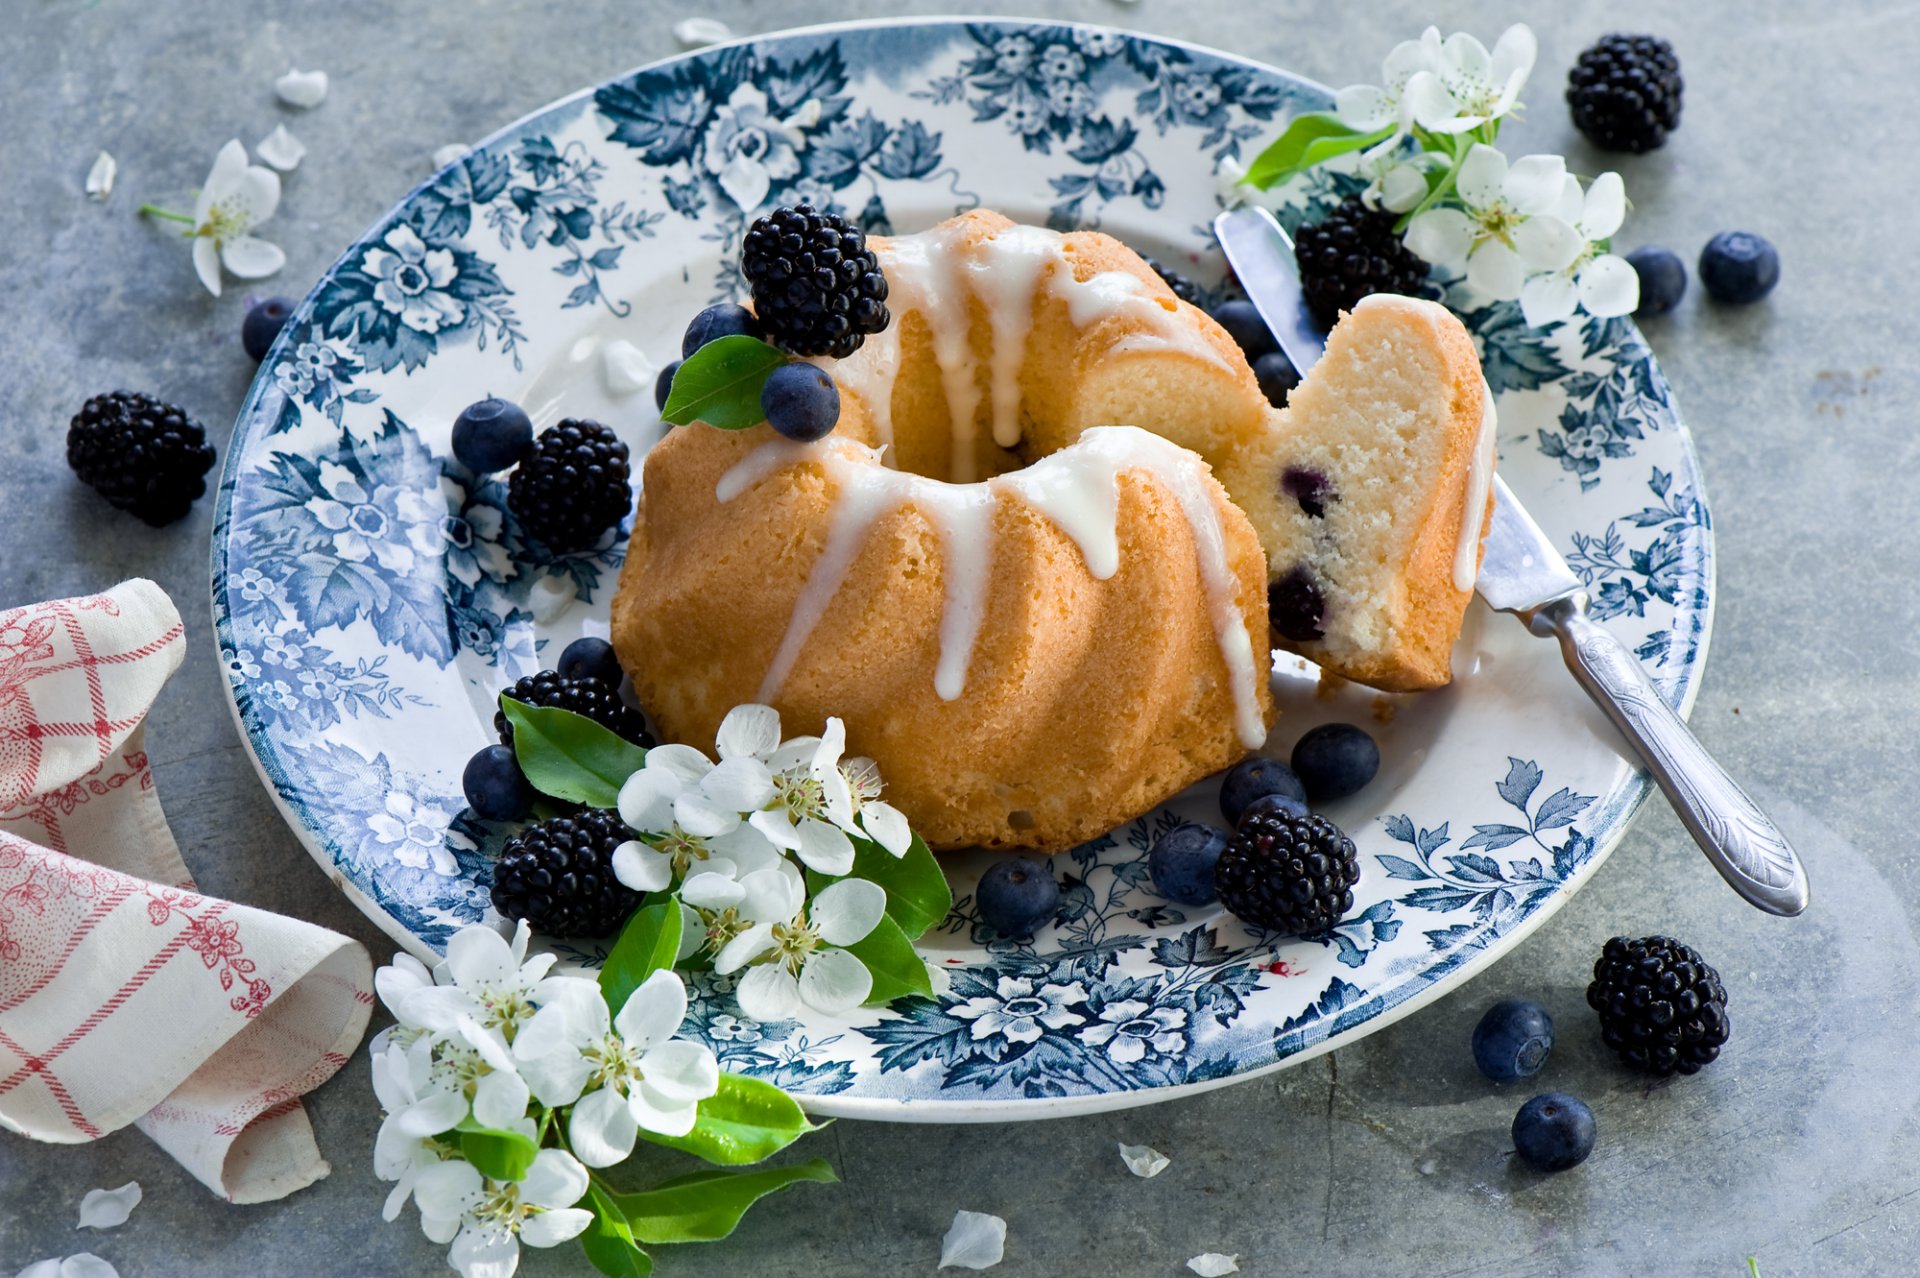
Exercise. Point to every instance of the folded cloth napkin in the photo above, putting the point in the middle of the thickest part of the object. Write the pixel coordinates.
(126, 995)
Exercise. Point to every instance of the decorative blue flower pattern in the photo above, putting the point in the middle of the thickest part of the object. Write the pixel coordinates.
(372, 595)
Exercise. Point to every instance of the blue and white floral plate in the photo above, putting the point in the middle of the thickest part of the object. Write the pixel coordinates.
(372, 597)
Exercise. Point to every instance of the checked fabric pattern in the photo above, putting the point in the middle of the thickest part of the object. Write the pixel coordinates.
(126, 995)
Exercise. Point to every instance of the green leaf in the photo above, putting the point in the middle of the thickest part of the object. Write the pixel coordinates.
(897, 969)
(648, 943)
(719, 384)
(709, 1204)
(608, 1241)
(496, 1154)
(917, 893)
(746, 1121)
(1309, 140)
(568, 755)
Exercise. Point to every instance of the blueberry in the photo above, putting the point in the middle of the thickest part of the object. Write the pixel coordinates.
(723, 319)
(1295, 606)
(263, 323)
(1663, 279)
(1553, 1131)
(1334, 760)
(1277, 377)
(800, 401)
(664, 384)
(1181, 863)
(589, 658)
(1274, 803)
(1738, 267)
(1016, 896)
(1243, 324)
(1256, 778)
(1512, 1040)
(496, 788)
(1312, 489)
(491, 435)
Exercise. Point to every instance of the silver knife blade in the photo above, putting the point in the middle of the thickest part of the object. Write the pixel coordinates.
(1521, 570)
(1262, 256)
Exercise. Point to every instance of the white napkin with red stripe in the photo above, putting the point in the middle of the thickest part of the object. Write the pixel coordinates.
(126, 996)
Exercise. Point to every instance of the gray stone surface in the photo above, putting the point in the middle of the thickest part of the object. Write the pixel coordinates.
(1388, 1157)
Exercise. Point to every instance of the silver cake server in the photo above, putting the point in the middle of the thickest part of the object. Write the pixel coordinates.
(1523, 574)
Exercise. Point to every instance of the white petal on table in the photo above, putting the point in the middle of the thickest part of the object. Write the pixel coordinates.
(106, 1208)
(1143, 1161)
(627, 368)
(87, 1265)
(551, 596)
(100, 177)
(304, 89)
(976, 1240)
(693, 33)
(449, 153)
(281, 149)
(1213, 1264)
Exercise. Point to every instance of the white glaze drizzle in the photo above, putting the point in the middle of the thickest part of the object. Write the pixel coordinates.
(924, 275)
(1466, 549)
(1077, 488)
(1004, 277)
(870, 373)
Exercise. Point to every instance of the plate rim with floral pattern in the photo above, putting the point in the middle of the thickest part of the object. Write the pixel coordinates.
(365, 587)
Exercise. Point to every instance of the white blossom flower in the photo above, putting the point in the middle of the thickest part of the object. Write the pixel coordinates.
(1462, 86)
(620, 1073)
(1230, 184)
(789, 941)
(108, 1208)
(688, 814)
(878, 820)
(488, 1220)
(304, 89)
(1506, 229)
(236, 197)
(1398, 181)
(1369, 107)
(1604, 283)
(488, 981)
(281, 149)
(812, 813)
(420, 1103)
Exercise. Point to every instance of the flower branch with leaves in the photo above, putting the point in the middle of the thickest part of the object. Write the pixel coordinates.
(1525, 230)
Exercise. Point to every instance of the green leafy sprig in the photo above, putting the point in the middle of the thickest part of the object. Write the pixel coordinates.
(720, 384)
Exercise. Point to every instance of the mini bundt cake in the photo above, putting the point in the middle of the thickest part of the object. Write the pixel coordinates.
(1038, 622)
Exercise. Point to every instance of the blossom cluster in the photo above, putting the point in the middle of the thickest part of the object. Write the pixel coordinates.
(1524, 230)
(491, 1042)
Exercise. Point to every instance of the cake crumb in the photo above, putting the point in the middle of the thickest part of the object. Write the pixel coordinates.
(1384, 708)
(1329, 686)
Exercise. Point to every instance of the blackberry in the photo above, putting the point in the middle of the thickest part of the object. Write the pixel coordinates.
(1625, 91)
(145, 457)
(817, 287)
(598, 701)
(557, 874)
(1183, 288)
(1662, 1007)
(1352, 252)
(572, 487)
(1291, 873)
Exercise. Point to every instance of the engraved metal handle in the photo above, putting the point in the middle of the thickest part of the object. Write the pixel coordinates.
(1747, 848)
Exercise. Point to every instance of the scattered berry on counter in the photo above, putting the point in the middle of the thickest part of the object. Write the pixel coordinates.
(817, 287)
(1244, 325)
(722, 319)
(1625, 93)
(1739, 267)
(1293, 874)
(573, 487)
(491, 435)
(596, 700)
(589, 657)
(145, 457)
(1270, 803)
(663, 384)
(1017, 896)
(1335, 760)
(1662, 1007)
(1183, 288)
(1512, 1040)
(1277, 377)
(1182, 860)
(264, 321)
(1553, 1131)
(1256, 778)
(496, 789)
(557, 874)
(1663, 279)
(801, 402)
(1352, 252)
